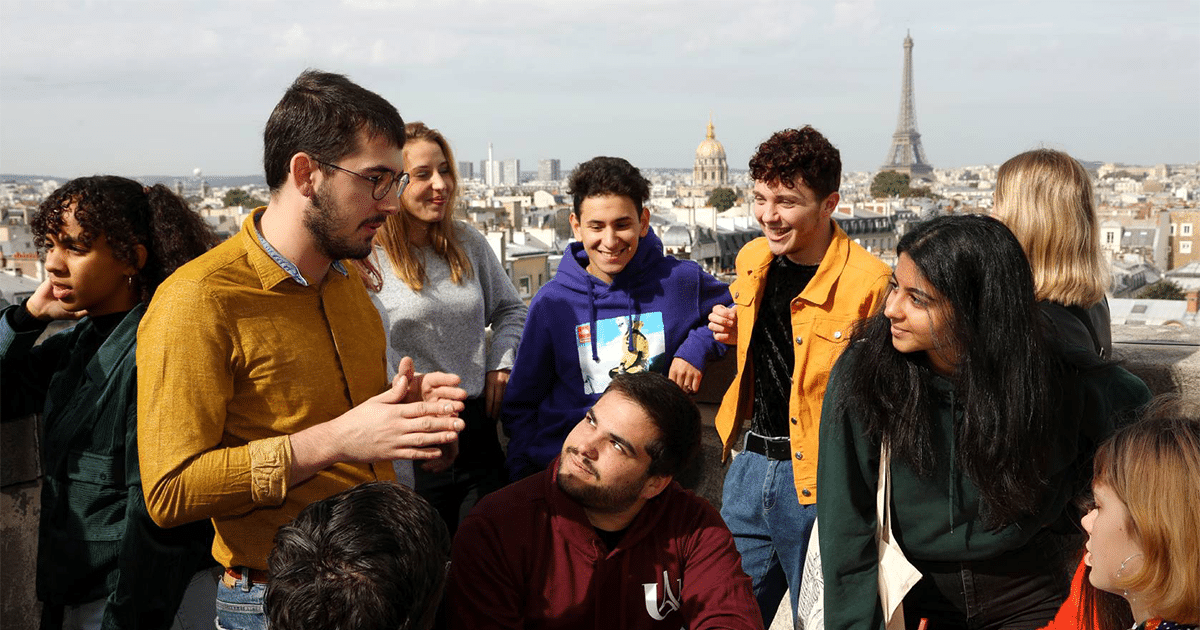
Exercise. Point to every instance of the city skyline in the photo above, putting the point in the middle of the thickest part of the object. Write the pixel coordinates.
(141, 88)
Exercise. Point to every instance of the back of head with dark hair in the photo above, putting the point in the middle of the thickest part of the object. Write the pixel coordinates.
(370, 558)
(608, 176)
(802, 153)
(672, 412)
(321, 114)
(1002, 372)
(128, 214)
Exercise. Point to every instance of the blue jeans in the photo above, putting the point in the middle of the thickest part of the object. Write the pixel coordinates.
(769, 526)
(240, 607)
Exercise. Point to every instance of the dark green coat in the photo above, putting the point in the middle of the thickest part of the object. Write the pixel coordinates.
(96, 539)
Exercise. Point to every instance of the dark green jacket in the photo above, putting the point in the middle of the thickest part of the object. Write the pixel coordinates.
(937, 517)
(96, 539)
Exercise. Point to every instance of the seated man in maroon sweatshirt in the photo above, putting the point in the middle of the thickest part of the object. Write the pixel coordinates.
(605, 538)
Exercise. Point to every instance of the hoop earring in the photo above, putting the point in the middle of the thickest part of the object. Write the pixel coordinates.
(1121, 570)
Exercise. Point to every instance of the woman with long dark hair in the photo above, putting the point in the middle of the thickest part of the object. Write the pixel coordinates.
(989, 425)
(108, 243)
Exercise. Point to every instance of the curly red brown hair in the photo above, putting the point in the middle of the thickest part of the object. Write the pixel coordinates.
(802, 154)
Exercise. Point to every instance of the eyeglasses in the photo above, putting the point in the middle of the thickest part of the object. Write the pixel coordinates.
(382, 183)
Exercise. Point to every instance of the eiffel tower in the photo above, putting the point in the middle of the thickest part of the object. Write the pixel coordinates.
(906, 155)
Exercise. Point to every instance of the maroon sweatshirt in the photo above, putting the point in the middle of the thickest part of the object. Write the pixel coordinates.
(527, 557)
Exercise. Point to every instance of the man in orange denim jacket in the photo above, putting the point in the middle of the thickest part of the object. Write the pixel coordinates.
(799, 290)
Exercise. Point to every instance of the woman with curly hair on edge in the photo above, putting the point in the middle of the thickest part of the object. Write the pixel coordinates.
(102, 562)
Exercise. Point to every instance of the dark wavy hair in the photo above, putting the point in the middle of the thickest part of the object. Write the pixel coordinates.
(128, 214)
(321, 114)
(608, 176)
(1004, 367)
(372, 557)
(799, 153)
(674, 415)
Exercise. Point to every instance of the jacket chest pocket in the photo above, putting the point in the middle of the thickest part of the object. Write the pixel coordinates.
(832, 335)
(742, 292)
(96, 495)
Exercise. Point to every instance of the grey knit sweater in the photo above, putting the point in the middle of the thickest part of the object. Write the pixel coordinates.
(443, 326)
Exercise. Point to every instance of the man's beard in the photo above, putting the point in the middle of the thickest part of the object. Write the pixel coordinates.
(322, 218)
(601, 499)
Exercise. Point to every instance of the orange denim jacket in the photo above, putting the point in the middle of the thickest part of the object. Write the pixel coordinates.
(849, 284)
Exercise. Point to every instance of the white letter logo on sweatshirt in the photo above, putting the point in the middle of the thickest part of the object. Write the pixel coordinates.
(660, 612)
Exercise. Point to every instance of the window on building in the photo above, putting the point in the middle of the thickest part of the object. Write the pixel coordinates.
(523, 286)
(1185, 247)
(1172, 229)
(1109, 237)
(1187, 229)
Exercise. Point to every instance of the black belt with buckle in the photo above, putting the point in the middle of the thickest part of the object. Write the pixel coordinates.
(776, 449)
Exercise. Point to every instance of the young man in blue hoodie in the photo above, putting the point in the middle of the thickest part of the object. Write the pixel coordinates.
(616, 305)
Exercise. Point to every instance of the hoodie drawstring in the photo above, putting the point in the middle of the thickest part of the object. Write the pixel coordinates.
(592, 304)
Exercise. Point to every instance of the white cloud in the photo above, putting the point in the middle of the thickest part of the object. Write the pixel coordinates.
(855, 15)
(293, 42)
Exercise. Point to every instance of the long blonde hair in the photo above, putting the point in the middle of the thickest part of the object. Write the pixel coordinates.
(394, 235)
(1153, 466)
(1046, 198)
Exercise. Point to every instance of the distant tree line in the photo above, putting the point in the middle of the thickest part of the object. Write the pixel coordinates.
(722, 199)
(1162, 290)
(239, 197)
(893, 184)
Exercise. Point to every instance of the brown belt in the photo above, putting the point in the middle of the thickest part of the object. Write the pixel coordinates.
(257, 576)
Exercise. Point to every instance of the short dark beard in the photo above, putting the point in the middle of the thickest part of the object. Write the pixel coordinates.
(321, 220)
(608, 500)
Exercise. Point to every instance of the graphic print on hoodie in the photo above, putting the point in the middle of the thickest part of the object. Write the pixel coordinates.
(576, 336)
(645, 352)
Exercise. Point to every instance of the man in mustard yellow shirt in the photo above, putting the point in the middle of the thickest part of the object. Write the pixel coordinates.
(262, 384)
(799, 290)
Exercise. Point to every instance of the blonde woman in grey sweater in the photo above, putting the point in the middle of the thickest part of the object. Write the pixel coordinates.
(439, 287)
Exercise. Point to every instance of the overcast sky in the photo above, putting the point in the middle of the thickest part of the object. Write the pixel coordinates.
(164, 86)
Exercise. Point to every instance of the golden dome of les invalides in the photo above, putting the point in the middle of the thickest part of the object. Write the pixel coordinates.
(711, 169)
(710, 147)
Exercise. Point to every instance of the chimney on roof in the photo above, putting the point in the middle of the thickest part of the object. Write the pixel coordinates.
(1193, 301)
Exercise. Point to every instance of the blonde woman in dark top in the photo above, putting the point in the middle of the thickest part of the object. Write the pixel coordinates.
(1046, 198)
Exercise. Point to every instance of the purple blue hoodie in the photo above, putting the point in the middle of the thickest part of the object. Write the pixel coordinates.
(580, 331)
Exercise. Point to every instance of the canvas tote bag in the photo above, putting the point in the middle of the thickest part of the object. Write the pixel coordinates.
(896, 574)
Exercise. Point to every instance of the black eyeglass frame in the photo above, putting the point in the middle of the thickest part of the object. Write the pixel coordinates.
(376, 180)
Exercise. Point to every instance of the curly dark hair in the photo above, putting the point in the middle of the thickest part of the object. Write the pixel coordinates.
(608, 176)
(802, 153)
(128, 214)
